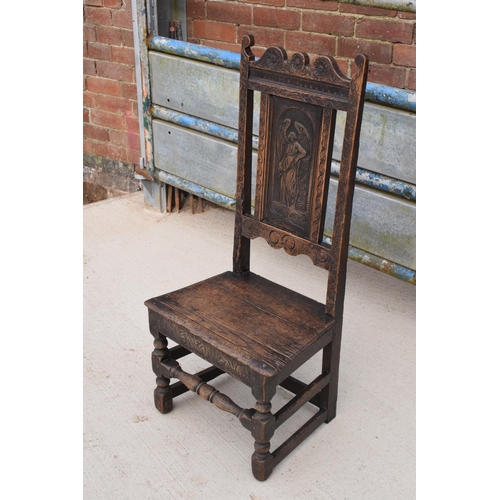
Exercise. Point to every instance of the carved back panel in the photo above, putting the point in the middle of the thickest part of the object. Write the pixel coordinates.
(300, 97)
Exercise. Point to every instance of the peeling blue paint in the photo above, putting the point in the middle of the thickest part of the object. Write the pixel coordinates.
(364, 177)
(356, 254)
(378, 263)
(384, 265)
(381, 182)
(380, 94)
(211, 55)
(193, 123)
(391, 96)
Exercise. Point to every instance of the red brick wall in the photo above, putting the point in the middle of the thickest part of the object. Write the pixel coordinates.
(314, 26)
(111, 125)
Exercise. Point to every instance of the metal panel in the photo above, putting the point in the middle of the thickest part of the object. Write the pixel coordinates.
(387, 142)
(211, 92)
(197, 89)
(204, 160)
(382, 225)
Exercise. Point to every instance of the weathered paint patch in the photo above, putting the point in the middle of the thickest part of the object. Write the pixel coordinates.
(211, 55)
(391, 96)
(366, 258)
(204, 126)
(363, 176)
(380, 94)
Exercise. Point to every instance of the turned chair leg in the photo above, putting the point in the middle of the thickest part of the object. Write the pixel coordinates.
(163, 392)
(263, 426)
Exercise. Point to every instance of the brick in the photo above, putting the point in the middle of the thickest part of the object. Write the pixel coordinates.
(412, 79)
(313, 4)
(189, 25)
(108, 35)
(97, 15)
(132, 124)
(118, 138)
(89, 99)
(123, 55)
(115, 71)
(229, 12)
(276, 18)
(343, 65)
(328, 23)
(214, 31)
(381, 29)
(103, 86)
(133, 156)
(311, 43)
(405, 55)
(387, 75)
(97, 3)
(86, 115)
(106, 119)
(195, 9)
(127, 38)
(88, 146)
(122, 18)
(264, 37)
(99, 51)
(89, 33)
(112, 4)
(377, 51)
(114, 104)
(407, 15)
(277, 3)
(128, 91)
(133, 141)
(85, 49)
(110, 151)
(366, 11)
(93, 132)
(89, 67)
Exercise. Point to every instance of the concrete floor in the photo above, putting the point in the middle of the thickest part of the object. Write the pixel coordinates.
(131, 451)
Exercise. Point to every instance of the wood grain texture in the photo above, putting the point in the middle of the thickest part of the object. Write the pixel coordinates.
(246, 325)
(279, 323)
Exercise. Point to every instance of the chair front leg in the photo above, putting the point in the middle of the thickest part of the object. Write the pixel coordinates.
(263, 427)
(163, 392)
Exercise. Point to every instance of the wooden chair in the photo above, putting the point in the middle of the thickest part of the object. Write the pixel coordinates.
(246, 326)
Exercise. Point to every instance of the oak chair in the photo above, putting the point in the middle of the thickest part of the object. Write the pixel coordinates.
(244, 325)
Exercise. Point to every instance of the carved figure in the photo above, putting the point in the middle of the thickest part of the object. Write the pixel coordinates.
(292, 153)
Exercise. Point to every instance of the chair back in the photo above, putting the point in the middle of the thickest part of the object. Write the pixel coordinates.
(299, 100)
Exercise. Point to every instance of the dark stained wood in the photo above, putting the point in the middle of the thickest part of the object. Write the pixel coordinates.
(303, 397)
(284, 323)
(205, 375)
(296, 386)
(246, 326)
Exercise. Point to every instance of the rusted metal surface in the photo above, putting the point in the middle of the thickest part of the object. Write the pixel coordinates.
(143, 74)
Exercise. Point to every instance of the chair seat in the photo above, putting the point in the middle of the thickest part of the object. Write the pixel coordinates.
(243, 323)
